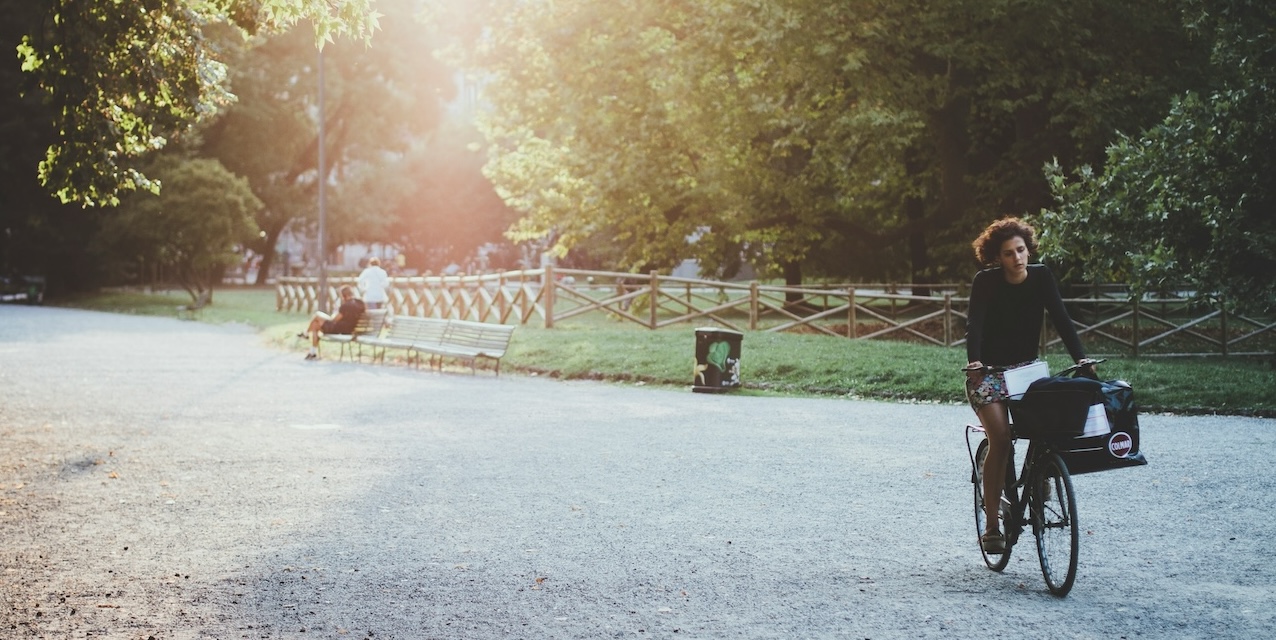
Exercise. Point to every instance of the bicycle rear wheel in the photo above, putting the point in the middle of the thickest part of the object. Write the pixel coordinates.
(1054, 523)
(995, 561)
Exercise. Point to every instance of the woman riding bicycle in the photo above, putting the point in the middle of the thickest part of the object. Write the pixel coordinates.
(1007, 300)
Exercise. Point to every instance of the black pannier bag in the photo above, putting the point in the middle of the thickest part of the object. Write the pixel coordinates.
(1057, 409)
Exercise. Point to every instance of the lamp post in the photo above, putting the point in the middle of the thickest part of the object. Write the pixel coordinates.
(323, 240)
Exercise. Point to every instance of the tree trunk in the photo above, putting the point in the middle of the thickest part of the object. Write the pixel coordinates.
(793, 301)
(268, 255)
(948, 130)
(915, 214)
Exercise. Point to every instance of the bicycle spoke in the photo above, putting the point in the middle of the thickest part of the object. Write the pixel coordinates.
(1054, 523)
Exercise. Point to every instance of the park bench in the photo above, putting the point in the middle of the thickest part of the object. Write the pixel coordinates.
(459, 339)
(470, 342)
(405, 332)
(367, 328)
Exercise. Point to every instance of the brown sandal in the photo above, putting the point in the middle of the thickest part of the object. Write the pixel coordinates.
(993, 543)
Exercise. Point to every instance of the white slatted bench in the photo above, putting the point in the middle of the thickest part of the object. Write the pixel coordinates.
(404, 332)
(471, 342)
(458, 339)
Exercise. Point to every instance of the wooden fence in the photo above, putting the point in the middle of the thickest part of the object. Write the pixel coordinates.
(1109, 322)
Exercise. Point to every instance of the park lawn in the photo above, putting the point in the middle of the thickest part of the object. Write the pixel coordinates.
(599, 347)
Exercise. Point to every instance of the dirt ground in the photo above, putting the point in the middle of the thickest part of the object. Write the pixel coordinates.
(167, 479)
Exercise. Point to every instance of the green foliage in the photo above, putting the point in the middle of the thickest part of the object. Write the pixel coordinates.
(191, 229)
(1189, 200)
(843, 138)
(124, 78)
(383, 103)
(253, 307)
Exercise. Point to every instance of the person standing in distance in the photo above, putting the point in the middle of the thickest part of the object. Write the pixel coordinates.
(373, 282)
(1007, 301)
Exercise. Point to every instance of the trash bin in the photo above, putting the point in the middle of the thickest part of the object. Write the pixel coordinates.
(717, 360)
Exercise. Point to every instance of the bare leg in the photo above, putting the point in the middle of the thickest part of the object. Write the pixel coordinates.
(316, 323)
(313, 331)
(996, 423)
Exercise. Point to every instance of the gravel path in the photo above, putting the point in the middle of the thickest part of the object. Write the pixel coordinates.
(171, 479)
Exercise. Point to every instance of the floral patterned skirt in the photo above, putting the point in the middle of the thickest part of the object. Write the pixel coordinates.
(984, 390)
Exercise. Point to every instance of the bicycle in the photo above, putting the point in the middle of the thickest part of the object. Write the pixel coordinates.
(1041, 496)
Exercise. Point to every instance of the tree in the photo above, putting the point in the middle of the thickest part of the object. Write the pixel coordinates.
(124, 78)
(191, 229)
(38, 234)
(795, 132)
(440, 207)
(1190, 199)
(382, 100)
(999, 88)
(718, 131)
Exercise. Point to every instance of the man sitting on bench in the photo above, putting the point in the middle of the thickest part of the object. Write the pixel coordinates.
(348, 315)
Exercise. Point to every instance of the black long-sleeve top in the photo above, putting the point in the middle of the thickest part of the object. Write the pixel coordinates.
(1004, 324)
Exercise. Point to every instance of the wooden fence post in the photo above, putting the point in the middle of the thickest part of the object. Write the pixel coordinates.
(1134, 340)
(654, 296)
(852, 325)
(501, 305)
(547, 285)
(753, 305)
(1222, 311)
(516, 302)
(948, 319)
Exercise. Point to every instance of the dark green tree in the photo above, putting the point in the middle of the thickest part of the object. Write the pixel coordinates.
(192, 230)
(122, 79)
(998, 89)
(845, 139)
(38, 234)
(1189, 200)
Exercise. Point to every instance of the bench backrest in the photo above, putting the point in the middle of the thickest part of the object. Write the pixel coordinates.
(489, 339)
(370, 323)
(415, 330)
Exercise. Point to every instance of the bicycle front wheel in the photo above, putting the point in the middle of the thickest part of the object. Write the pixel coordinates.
(1054, 523)
(995, 561)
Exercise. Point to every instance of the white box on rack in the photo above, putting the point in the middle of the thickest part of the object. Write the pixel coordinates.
(1018, 379)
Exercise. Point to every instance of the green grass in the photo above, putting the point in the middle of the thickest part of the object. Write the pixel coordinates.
(254, 306)
(597, 347)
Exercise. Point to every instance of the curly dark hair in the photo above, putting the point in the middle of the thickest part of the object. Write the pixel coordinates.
(988, 244)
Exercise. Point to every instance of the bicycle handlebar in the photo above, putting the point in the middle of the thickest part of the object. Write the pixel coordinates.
(1085, 362)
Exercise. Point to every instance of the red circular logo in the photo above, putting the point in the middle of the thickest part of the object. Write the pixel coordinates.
(1120, 444)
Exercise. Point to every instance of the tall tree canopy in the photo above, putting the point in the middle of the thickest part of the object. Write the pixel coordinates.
(382, 100)
(796, 132)
(1190, 199)
(123, 78)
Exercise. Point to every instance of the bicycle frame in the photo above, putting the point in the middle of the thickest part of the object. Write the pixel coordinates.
(1040, 496)
(1013, 494)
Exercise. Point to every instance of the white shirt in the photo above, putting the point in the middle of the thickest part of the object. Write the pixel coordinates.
(373, 282)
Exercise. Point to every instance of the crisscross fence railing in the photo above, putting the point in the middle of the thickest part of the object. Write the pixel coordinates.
(1110, 323)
